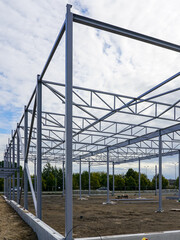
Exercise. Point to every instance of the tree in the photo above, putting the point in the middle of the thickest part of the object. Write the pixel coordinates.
(145, 183)
(164, 182)
(119, 182)
(130, 183)
(95, 182)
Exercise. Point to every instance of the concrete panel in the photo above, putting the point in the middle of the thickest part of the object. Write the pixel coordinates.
(167, 235)
(43, 231)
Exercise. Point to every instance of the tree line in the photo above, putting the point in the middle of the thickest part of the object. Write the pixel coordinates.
(52, 180)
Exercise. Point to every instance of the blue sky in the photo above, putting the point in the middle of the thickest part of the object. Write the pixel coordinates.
(29, 29)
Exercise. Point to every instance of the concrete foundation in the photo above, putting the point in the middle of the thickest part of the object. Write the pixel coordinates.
(168, 235)
(43, 231)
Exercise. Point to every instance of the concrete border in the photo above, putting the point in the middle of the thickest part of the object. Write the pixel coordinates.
(43, 231)
(167, 235)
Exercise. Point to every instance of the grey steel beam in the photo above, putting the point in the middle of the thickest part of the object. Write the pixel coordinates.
(124, 32)
(68, 121)
(39, 148)
(25, 148)
(59, 37)
(136, 140)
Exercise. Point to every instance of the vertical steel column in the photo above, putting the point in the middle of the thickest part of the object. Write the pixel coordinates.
(63, 179)
(13, 165)
(113, 179)
(139, 178)
(4, 176)
(160, 172)
(7, 179)
(18, 166)
(155, 180)
(25, 148)
(107, 175)
(35, 177)
(89, 178)
(179, 174)
(68, 123)
(80, 177)
(10, 175)
(39, 145)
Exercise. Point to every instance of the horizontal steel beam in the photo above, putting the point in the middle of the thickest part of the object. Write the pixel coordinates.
(145, 137)
(124, 32)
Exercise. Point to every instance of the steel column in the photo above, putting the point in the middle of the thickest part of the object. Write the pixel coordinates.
(18, 166)
(13, 165)
(113, 179)
(10, 167)
(63, 179)
(68, 123)
(107, 175)
(139, 178)
(25, 148)
(80, 177)
(179, 173)
(35, 177)
(39, 145)
(4, 177)
(155, 180)
(160, 172)
(89, 178)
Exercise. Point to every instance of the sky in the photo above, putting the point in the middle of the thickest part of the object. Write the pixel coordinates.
(101, 60)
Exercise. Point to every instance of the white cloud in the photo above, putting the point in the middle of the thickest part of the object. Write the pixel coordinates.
(101, 60)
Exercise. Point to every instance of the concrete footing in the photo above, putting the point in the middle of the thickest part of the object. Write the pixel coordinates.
(168, 235)
(43, 231)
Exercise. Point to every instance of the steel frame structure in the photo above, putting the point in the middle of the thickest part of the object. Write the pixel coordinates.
(87, 126)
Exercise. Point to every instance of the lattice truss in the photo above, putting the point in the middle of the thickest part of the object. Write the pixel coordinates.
(128, 126)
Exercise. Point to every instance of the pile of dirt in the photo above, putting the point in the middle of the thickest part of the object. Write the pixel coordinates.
(12, 227)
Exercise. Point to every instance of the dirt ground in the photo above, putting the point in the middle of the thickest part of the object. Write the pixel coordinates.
(93, 218)
(12, 227)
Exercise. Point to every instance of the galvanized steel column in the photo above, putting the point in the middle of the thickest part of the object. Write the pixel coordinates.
(25, 148)
(13, 157)
(155, 180)
(160, 172)
(139, 178)
(89, 178)
(35, 177)
(10, 175)
(18, 166)
(68, 124)
(63, 179)
(107, 175)
(179, 174)
(113, 180)
(4, 176)
(39, 145)
(80, 177)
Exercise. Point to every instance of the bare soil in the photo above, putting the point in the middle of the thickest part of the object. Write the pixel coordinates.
(93, 218)
(12, 227)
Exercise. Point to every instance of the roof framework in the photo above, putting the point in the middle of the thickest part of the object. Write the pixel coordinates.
(91, 123)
